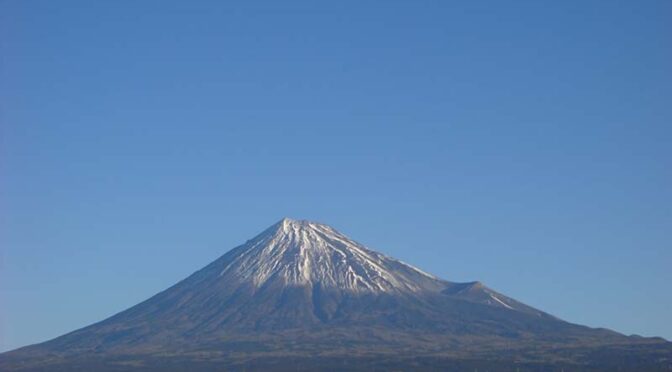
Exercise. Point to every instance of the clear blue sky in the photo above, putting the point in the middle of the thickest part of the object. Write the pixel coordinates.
(527, 145)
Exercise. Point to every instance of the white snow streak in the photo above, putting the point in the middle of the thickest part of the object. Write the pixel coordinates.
(500, 301)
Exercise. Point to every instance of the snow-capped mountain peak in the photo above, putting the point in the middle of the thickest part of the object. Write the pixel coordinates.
(306, 253)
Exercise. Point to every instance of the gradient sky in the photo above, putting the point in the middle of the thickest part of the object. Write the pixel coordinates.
(525, 144)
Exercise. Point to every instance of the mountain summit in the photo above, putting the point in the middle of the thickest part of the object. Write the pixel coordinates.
(302, 294)
(305, 253)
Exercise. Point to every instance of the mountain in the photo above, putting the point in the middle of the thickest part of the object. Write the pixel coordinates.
(303, 296)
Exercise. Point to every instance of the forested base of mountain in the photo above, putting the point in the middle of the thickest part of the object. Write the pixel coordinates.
(621, 358)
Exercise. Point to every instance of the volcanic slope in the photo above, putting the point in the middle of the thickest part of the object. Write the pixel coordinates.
(301, 292)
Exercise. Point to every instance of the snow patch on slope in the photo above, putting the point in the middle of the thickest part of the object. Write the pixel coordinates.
(500, 301)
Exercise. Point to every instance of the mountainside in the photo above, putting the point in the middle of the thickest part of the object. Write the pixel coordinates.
(301, 294)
